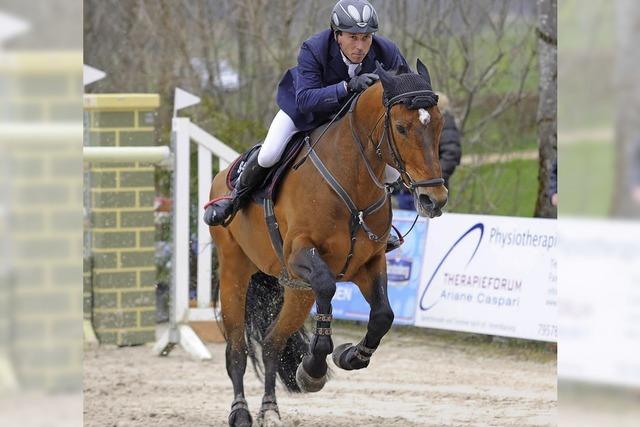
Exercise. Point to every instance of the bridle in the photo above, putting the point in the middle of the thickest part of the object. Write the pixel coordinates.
(413, 100)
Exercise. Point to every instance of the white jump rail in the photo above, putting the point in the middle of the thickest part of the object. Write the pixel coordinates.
(207, 145)
(160, 155)
(179, 332)
(16, 132)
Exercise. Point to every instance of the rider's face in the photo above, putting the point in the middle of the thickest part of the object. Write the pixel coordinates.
(355, 46)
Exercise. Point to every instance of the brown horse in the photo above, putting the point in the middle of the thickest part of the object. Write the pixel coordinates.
(334, 217)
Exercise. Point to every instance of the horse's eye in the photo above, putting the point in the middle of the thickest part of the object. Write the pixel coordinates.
(401, 129)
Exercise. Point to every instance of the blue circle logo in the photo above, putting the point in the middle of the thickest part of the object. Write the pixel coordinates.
(425, 305)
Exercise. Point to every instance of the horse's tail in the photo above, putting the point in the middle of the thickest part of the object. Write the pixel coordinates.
(265, 297)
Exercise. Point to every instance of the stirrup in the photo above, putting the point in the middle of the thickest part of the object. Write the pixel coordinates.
(394, 242)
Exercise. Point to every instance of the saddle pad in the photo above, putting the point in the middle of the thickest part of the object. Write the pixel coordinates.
(277, 173)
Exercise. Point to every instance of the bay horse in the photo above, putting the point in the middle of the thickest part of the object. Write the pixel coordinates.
(334, 216)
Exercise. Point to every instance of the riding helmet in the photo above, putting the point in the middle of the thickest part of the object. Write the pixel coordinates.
(354, 16)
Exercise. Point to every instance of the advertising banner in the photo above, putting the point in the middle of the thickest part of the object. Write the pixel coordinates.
(403, 269)
(491, 275)
(600, 301)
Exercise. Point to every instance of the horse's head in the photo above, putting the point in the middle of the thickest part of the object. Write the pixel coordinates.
(413, 124)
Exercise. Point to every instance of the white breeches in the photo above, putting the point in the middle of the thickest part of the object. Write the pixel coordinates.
(280, 132)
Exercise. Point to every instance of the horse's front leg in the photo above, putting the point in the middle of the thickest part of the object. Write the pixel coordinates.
(307, 264)
(372, 281)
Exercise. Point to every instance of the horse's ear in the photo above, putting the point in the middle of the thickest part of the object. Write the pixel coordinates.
(385, 77)
(403, 69)
(422, 70)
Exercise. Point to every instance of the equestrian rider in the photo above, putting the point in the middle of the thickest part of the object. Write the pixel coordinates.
(332, 65)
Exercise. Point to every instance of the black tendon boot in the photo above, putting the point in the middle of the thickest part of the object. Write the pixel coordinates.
(221, 211)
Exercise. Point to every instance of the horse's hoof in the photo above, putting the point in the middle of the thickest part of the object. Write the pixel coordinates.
(240, 418)
(337, 353)
(345, 357)
(307, 383)
(270, 418)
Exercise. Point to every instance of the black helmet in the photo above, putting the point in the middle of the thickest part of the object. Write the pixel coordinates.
(354, 16)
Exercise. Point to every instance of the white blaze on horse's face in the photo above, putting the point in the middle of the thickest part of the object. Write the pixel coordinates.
(424, 116)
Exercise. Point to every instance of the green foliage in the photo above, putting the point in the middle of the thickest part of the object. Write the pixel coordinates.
(587, 60)
(588, 100)
(235, 130)
(594, 31)
(514, 130)
(495, 189)
(487, 63)
(586, 178)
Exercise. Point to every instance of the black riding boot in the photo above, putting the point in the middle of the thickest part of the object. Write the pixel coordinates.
(222, 211)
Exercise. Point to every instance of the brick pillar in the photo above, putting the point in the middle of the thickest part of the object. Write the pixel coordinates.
(43, 188)
(7, 374)
(122, 234)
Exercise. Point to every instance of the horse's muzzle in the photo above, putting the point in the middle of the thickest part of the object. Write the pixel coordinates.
(429, 203)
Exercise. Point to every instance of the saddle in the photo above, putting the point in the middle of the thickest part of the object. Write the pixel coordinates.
(270, 186)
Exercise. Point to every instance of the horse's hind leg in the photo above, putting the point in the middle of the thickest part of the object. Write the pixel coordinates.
(235, 272)
(308, 265)
(372, 281)
(295, 309)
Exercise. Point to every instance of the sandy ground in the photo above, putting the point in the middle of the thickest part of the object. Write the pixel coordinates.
(417, 378)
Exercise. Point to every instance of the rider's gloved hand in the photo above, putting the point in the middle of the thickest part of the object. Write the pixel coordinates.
(361, 82)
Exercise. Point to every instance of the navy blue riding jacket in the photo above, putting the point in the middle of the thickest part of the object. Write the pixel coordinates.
(314, 90)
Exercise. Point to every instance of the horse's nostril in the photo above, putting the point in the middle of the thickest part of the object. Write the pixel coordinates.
(426, 202)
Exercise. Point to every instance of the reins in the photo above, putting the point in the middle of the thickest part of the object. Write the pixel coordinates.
(335, 117)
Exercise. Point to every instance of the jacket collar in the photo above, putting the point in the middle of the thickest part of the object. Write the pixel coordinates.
(336, 61)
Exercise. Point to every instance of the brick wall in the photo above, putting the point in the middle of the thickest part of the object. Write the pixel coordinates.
(120, 270)
(7, 376)
(41, 196)
(47, 243)
(41, 87)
